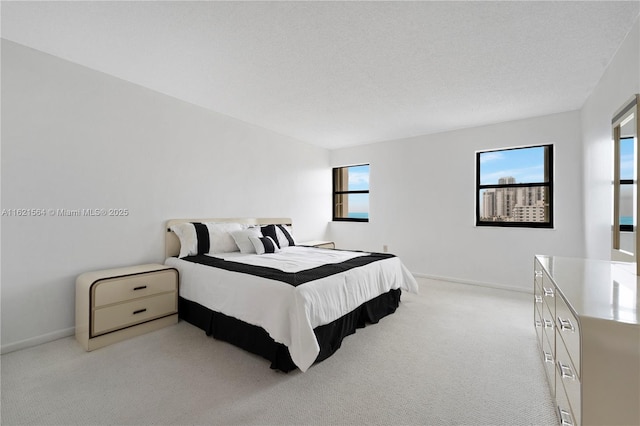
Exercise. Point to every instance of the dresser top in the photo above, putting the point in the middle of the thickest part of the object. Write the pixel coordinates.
(596, 288)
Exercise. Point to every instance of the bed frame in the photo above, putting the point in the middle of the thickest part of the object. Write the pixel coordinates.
(255, 339)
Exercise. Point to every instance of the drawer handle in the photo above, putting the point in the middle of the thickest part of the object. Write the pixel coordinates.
(139, 311)
(548, 357)
(538, 299)
(565, 417)
(566, 325)
(538, 273)
(548, 323)
(538, 323)
(548, 291)
(142, 287)
(565, 371)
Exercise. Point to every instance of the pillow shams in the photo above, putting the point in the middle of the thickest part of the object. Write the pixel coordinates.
(211, 238)
(285, 236)
(270, 231)
(205, 238)
(186, 233)
(220, 238)
(242, 239)
(281, 234)
(264, 245)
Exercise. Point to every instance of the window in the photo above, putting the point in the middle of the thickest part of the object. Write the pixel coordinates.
(627, 183)
(514, 187)
(351, 193)
(625, 238)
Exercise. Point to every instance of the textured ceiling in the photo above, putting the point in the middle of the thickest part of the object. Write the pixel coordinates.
(342, 73)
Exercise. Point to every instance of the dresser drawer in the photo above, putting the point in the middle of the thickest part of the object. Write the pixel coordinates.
(597, 342)
(537, 293)
(548, 324)
(568, 330)
(537, 276)
(537, 319)
(568, 379)
(119, 289)
(548, 291)
(134, 312)
(563, 409)
(548, 361)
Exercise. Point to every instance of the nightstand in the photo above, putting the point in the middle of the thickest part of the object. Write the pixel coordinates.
(116, 304)
(318, 243)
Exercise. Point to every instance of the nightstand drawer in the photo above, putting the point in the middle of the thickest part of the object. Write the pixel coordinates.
(319, 244)
(130, 313)
(120, 303)
(119, 289)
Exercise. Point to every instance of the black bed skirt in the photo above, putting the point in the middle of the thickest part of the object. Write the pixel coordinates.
(256, 340)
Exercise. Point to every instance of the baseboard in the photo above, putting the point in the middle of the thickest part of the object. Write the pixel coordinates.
(38, 340)
(472, 282)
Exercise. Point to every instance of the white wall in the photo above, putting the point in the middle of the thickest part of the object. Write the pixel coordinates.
(74, 138)
(422, 203)
(620, 81)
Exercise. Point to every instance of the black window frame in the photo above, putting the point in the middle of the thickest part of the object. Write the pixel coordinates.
(549, 155)
(342, 192)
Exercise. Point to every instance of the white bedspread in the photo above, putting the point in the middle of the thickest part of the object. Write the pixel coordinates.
(289, 314)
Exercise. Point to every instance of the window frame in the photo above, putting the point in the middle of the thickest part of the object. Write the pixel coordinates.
(548, 158)
(335, 192)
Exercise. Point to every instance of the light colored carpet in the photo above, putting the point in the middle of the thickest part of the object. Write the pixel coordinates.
(455, 354)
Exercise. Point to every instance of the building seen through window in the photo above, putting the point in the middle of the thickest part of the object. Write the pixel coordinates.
(515, 187)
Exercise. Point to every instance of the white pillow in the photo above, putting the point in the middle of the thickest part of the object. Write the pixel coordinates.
(186, 233)
(220, 239)
(242, 239)
(264, 245)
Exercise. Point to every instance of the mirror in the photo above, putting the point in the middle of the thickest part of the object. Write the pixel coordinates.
(625, 238)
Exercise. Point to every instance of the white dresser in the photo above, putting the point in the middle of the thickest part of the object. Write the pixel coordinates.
(587, 321)
(116, 304)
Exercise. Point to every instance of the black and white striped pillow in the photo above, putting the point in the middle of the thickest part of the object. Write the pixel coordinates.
(264, 245)
(281, 234)
(285, 236)
(190, 244)
(205, 238)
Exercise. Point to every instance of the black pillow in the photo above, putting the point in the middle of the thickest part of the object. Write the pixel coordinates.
(270, 231)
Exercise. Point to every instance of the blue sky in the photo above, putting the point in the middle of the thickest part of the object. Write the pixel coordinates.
(626, 158)
(627, 161)
(359, 180)
(526, 165)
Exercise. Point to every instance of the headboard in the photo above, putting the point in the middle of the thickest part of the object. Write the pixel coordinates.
(172, 243)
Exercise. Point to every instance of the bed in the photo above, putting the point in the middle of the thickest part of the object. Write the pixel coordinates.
(247, 281)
